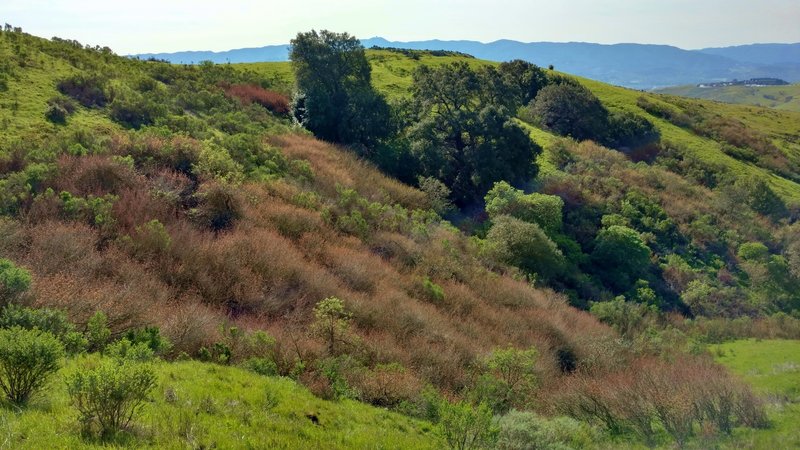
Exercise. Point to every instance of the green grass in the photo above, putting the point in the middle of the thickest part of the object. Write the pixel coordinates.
(391, 71)
(784, 98)
(201, 405)
(773, 369)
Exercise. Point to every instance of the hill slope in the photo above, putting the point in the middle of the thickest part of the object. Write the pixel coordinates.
(785, 98)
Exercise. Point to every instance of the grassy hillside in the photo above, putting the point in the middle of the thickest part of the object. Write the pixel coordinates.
(773, 367)
(203, 405)
(186, 198)
(784, 98)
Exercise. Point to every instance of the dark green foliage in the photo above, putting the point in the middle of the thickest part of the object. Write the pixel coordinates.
(27, 359)
(628, 318)
(756, 193)
(336, 100)
(523, 79)
(58, 109)
(88, 90)
(571, 110)
(109, 396)
(135, 110)
(629, 130)
(150, 337)
(465, 136)
(620, 256)
(261, 366)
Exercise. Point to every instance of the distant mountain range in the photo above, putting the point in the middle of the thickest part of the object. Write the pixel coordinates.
(640, 66)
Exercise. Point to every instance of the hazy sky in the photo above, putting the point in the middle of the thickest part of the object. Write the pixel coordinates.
(140, 26)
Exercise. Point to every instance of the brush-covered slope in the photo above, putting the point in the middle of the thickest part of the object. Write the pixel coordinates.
(173, 196)
(698, 182)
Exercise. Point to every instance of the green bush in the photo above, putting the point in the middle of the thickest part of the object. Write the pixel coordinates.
(507, 378)
(261, 366)
(97, 331)
(543, 210)
(109, 396)
(49, 320)
(13, 280)
(621, 256)
(465, 427)
(527, 431)
(125, 350)
(27, 359)
(524, 245)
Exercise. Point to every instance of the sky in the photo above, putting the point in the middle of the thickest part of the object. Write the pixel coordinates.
(142, 26)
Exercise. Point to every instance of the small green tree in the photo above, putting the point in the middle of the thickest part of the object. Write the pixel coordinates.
(508, 378)
(332, 323)
(27, 359)
(570, 109)
(110, 395)
(97, 331)
(465, 427)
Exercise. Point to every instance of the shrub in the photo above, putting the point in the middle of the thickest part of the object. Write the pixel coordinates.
(261, 366)
(58, 108)
(109, 396)
(97, 331)
(508, 378)
(50, 320)
(620, 255)
(543, 210)
(151, 337)
(219, 207)
(466, 427)
(88, 90)
(571, 110)
(27, 359)
(520, 430)
(13, 281)
(249, 93)
(332, 323)
(125, 350)
(524, 245)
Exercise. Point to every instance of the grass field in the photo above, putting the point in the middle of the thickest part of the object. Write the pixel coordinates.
(773, 368)
(201, 405)
(784, 98)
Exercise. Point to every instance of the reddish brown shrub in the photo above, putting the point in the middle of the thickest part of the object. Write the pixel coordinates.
(250, 93)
